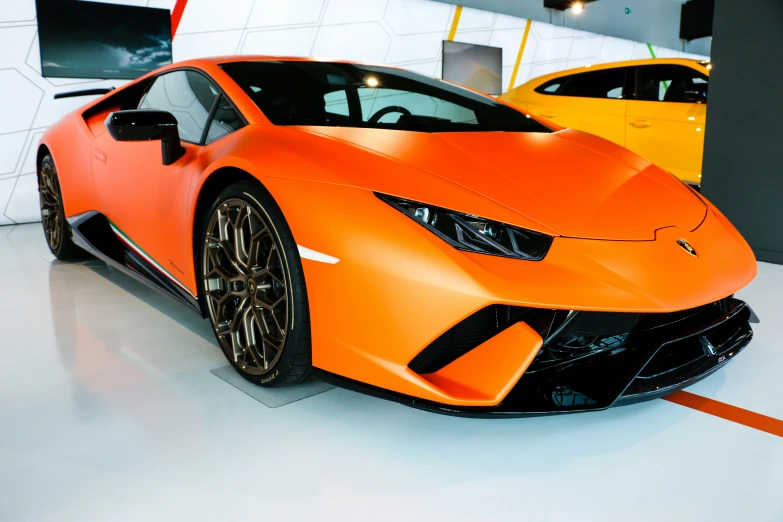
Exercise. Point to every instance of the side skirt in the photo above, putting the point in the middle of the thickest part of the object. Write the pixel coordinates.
(93, 232)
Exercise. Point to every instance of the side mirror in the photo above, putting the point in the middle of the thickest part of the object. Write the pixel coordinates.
(147, 125)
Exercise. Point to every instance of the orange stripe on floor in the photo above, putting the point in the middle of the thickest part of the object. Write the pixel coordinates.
(727, 412)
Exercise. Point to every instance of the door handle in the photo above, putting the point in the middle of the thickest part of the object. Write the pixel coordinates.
(548, 114)
(99, 155)
(640, 124)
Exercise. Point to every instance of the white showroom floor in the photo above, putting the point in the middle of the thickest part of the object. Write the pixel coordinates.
(108, 411)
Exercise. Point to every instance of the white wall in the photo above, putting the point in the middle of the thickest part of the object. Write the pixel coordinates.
(406, 33)
(27, 106)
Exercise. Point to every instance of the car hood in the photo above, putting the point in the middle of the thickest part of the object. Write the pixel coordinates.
(571, 182)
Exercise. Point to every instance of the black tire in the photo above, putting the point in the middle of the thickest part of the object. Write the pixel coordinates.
(238, 295)
(59, 236)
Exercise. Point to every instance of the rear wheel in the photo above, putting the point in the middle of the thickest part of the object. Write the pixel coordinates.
(56, 229)
(253, 287)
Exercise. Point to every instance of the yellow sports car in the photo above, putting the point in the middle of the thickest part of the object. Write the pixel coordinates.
(656, 108)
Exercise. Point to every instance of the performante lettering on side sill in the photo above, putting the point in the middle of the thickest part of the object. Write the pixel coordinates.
(133, 246)
(175, 267)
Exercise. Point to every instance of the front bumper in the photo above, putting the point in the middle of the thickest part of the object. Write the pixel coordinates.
(653, 355)
(397, 288)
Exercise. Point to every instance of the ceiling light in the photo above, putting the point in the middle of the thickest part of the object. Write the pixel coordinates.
(577, 8)
(371, 82)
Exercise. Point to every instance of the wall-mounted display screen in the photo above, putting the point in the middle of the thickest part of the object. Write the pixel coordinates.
(477, 66)
(85, 39)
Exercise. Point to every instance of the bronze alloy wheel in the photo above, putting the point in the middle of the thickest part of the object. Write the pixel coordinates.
(51, 206)
(247, 286)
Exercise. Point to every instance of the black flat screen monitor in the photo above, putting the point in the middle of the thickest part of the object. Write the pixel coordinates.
(85, 39)
(479, 67)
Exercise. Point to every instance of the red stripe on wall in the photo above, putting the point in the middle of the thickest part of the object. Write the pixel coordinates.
(176, 15)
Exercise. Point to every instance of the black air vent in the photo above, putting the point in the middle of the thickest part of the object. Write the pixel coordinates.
(473, 331)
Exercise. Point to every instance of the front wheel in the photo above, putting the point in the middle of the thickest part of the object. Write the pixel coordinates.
(253, 287)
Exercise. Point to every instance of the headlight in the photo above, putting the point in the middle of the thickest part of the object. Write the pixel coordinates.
(472, 233)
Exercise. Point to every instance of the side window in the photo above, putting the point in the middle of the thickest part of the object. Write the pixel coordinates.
(608, 83)
(671, 83)
(552, 86)
(398, 103)
(337, 103)
(188, 95)
(225, 121)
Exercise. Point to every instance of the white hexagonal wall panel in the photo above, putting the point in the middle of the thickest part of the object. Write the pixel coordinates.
(197, 45)
(417, 16)
(19, 100)
(586, 48)
(339, 41)
(476, 19)
(413, 47)
(280, 42)
(11, 147)
(351, 11)
(209, 15)
(17, 11)
(15, 43)
(23, 207)
(6, 189)
(508, 40)
(269, 13)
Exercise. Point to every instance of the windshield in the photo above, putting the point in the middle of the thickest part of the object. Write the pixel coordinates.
(349, 95)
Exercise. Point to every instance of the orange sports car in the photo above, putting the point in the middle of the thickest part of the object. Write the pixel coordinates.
(399, 235)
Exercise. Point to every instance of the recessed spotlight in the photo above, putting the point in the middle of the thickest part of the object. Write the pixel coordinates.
(577, 8)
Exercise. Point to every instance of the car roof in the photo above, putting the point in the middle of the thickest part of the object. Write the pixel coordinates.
(217, 60)
(688, 62)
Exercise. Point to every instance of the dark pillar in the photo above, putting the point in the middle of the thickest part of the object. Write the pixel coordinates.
(743, 153)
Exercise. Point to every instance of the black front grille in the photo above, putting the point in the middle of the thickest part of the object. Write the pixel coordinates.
(582, 334)
(699, 350)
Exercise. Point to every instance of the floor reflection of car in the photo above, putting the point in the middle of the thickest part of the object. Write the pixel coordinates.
(656, 108)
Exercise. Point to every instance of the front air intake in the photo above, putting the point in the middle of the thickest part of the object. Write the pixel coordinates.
(473, 331)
